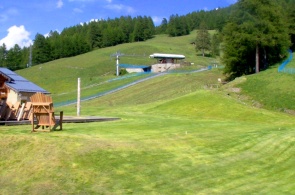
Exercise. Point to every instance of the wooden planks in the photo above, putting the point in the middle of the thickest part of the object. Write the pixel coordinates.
(66, 119)
(15, 111)
(43, 113)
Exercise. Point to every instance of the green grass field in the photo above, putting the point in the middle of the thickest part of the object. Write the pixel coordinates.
(178, 133)
(202, 143)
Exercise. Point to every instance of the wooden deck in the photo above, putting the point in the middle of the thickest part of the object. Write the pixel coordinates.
(66, 119)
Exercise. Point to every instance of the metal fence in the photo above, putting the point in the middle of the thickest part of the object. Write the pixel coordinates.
(149, 76)
(282, 67)
(288, 70)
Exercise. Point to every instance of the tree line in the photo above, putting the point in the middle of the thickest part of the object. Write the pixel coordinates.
(78, 39)
(85, 37)
(257, 35)
(252, 35)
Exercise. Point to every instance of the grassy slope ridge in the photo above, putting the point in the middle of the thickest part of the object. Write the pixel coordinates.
(175, 137)
(271, 89)
(60, 76)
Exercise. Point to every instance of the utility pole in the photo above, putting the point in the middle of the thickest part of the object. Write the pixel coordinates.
(78, 97)
(117, 63)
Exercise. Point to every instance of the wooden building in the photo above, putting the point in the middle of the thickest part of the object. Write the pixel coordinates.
(15, 88)
(15, 91)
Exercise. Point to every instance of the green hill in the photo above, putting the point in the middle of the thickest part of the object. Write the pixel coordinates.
(178, 134)
(269, 89)
(60, 76)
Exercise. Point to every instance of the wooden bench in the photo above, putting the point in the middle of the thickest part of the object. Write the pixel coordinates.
(43, 113)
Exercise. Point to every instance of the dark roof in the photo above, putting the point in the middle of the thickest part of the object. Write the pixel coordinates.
(19, 83)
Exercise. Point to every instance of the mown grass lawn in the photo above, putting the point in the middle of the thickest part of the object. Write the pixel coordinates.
(201, 143)
(272, 89)
(174, 137)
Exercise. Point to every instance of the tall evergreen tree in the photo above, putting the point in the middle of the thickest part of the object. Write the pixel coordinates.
(14, 58)
(95, 34)
(149, 28)
(25, 57)
(3, 55)
(258, 32)
(138, 32)
(291, 21)
(215, 44)
(163, 27)
(55, 44)
(203, 39)
(41, 50)
(126, 25)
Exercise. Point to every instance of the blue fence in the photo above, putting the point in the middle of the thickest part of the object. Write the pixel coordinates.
(282, 67)
(149, 76)
(289, 70)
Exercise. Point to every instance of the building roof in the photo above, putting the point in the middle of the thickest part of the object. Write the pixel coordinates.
(164, 55)
(133, 66)
(19, 83)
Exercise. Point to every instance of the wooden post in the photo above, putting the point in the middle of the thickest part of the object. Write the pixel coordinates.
(78, 98)
(21, 112)
(117, 64)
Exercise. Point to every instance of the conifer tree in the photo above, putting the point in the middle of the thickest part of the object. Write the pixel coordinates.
(3, 55)
(257, 33)
(202, 39)
(41, 50)
(14, 58)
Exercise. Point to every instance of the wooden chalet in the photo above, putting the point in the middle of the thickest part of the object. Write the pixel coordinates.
(15, 93)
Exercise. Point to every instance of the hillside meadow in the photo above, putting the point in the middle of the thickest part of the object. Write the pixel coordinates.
(180, 133)
(95, 68)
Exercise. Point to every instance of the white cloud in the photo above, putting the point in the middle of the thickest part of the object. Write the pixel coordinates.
(7, 14)
(3, 17)
(59, 4)
(81, 0)
(109, 1)
(12, 11)
(94, 20)
(157, 20)
(77, 10)
(48, 34)
(17, 35)
(120, 7)
(232, 1)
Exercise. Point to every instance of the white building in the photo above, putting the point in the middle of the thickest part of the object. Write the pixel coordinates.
(166, 62)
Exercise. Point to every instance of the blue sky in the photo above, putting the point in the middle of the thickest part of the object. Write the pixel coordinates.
(21, 20)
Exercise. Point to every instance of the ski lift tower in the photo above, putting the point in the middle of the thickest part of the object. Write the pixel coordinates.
(118, 54)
